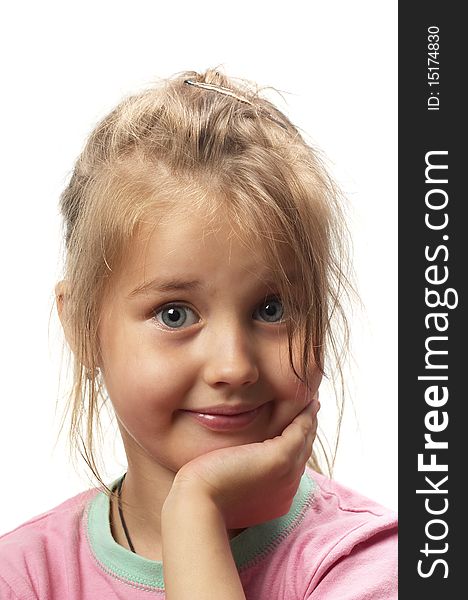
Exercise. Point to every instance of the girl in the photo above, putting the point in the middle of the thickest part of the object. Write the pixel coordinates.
(203, 269)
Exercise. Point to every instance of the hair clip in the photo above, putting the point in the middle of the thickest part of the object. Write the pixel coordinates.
(219, 89)
(228, 92)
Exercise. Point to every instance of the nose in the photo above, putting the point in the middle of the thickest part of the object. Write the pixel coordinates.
(230, 357)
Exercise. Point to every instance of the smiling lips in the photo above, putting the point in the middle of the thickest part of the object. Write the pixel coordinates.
(223, 418)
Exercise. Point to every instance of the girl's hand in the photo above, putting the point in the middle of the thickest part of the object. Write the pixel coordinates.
(252, 483)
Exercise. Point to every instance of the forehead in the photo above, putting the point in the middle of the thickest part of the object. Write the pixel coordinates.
(198, 244)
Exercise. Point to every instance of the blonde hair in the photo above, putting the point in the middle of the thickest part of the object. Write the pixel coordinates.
(217, 143)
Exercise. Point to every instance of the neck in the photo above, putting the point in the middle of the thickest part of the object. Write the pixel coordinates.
(142, 499)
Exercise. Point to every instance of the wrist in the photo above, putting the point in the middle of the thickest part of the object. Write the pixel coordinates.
(189, 501)
(197, 556)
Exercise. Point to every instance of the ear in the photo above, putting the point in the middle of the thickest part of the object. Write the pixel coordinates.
(61, 299)
(61, 296)
(60, 291)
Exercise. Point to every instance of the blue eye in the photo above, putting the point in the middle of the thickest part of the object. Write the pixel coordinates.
(271, 310)
(178, 316)
(174, 316)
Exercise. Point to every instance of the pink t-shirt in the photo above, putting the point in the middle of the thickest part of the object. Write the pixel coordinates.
(333, 544)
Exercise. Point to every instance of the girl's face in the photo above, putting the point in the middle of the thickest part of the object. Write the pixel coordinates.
(191, 323)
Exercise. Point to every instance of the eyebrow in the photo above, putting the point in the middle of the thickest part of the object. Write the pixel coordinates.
(178, 284)
(171, 285)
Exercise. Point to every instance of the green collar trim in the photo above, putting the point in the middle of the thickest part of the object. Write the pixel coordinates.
(248, 548)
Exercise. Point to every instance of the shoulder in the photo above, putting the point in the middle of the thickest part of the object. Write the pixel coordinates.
(346, 505)
(346, 544)
(31, 552)
(333, 543)
(52, 524)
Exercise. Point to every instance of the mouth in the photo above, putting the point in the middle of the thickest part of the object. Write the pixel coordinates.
(226, 409)
(225, 419)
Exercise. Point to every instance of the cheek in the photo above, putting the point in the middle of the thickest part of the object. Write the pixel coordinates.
(146, 384)
(285, 372)
(294, 395)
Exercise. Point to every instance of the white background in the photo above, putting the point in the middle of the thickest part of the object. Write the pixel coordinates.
(66, 65)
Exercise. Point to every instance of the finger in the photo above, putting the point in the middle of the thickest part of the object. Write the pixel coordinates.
(303, 429)
(297, 432)
(300, 433)
(310, 409)
(315, 405)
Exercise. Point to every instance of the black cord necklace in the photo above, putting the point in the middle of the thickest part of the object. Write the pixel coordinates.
(122, 520)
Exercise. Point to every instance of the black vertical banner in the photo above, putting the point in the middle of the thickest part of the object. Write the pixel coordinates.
(433, 269)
